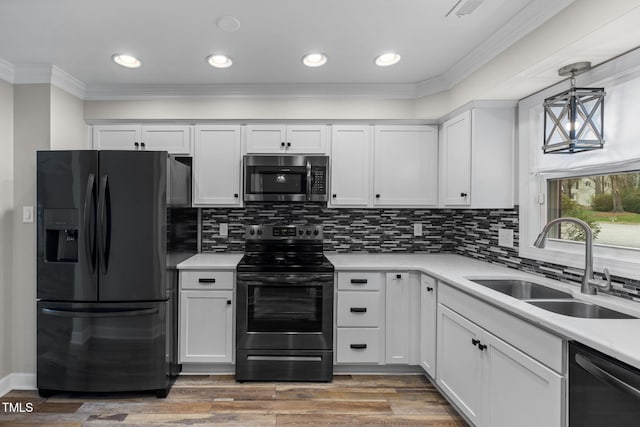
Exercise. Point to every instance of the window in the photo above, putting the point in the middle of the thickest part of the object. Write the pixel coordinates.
(609, 203)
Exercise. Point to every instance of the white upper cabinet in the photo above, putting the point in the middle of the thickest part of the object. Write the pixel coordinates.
(286, 139)
(476, 159)
(175, 139)
(405, 166)
(350, 166)
(217, 166)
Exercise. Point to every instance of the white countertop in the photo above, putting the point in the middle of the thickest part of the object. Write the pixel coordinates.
(618, 338)
(211, 260)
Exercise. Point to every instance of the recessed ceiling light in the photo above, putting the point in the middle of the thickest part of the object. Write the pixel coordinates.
(219, 61)
(314, 59)
(125, 60)
(387, 59)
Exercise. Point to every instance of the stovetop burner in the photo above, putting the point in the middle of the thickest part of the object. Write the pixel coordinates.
(284, 248)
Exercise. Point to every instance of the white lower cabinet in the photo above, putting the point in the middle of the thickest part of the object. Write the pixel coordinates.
(428, 315)
(493, 383)
(206, 317)
(398, 318)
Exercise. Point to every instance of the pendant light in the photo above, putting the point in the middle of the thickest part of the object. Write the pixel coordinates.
(574, 119)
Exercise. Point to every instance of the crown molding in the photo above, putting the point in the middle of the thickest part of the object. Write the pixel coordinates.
(6, 71)
(44, 74)
(525, 22)
(355, 91)
(67, 82)
(29, 74)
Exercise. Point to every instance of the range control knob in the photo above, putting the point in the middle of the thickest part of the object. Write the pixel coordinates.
(316, 232)
(308, 232)
(259, 232)
(252, 231)
(301, 232)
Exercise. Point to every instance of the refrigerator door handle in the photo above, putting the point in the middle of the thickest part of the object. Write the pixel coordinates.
(89, 214)
(99, 314)
(104, 223)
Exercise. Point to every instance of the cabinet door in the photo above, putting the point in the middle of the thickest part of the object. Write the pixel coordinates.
(217, 166)
(428, 308)
(405, 166)
(455, 151)
(206, 326)
(306, 139)
(521, 392)
(459, 366)
(116, 137)
(398, 317)
(175, 139)
(350, 166)
(266, 138)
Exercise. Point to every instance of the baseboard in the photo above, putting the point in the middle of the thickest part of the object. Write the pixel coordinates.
(17, 381)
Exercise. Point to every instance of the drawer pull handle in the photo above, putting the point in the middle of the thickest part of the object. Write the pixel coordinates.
(359, 281)
(358, 346)
(475, 341)
(398, 276)
(358, 309)
(207, 280)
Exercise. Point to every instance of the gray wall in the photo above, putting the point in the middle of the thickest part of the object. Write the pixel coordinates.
(6, 224)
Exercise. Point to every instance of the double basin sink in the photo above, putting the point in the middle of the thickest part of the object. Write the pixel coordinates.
(550, 299)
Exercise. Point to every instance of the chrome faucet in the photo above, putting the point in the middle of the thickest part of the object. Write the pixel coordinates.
(590, 285)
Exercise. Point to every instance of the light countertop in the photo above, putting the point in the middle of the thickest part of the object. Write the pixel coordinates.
(618, 338)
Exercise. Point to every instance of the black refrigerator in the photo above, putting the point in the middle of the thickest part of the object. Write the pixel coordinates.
(111, 227)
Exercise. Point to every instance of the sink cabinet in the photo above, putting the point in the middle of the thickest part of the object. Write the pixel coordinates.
(496, 384)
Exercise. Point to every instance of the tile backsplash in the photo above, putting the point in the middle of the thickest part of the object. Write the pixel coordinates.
(469, 232)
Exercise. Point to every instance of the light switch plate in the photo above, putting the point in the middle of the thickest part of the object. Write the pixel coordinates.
(417, 229)
(27, 214)
(224, 229)
(505, 237)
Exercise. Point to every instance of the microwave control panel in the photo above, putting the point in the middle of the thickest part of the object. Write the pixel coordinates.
(319, 181)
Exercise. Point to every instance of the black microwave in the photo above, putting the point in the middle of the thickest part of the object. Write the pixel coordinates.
(296, 178)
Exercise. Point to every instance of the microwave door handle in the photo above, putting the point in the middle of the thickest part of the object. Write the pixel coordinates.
(308, 180)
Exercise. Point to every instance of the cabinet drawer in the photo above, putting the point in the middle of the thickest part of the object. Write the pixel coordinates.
(358, 345)
(358, 308)
(202, 280)
(363, 281)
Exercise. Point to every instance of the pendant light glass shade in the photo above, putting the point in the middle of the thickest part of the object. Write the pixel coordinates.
(574, 119)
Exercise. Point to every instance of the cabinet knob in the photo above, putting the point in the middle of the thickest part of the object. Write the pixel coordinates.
(398, 276)
(463, 194)
(482, 347)
(334, 195)
(429, 289)
(377, 196)
(142, 144)
(136, 144)
(288, 144)
(235, 195)
(228, 302)
(475, 341)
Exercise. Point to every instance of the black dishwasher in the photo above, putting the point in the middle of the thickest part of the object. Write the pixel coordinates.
(602, 391)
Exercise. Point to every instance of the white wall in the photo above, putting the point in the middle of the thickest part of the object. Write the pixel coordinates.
(68, 129)
(32, 110)
(6, 224)
(251, 108)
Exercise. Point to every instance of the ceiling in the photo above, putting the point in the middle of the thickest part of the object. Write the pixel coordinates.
(174, 38)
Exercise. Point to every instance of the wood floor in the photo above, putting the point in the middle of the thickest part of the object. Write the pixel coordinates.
(372, 400)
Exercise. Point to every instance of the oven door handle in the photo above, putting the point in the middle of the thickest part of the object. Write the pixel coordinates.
(601, 373)
(309, 183)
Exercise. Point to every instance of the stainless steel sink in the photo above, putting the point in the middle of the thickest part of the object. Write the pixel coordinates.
(575, 308)
(522, 289)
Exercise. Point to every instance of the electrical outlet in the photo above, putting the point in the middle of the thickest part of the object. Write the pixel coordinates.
(417, 229)
(224, 229)
(505, 237)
